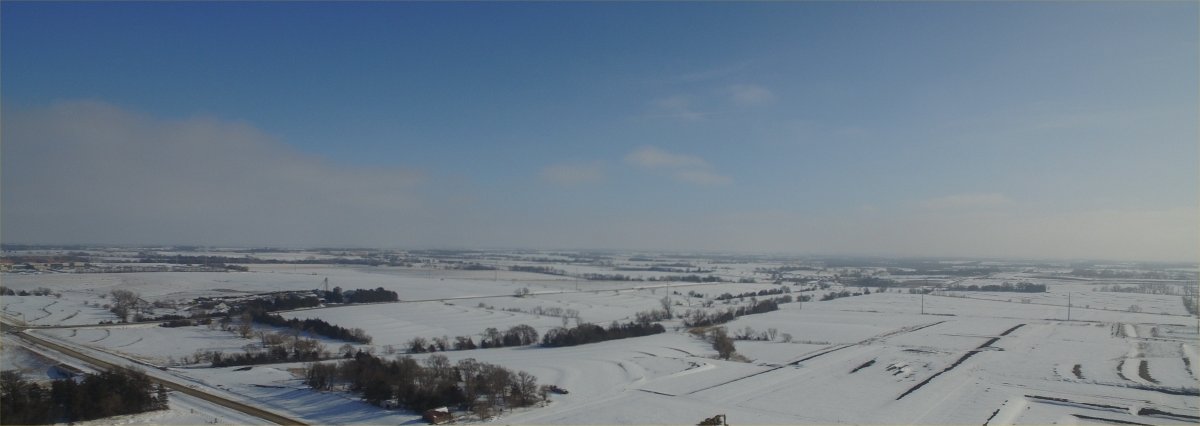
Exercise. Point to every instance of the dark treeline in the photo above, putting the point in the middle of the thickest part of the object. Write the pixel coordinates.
(468, 385)
(224, 260)
(277, 302)
(840, 294)
(307, 352)
(701, 318)
(172, 321)
(537, 270)
(961, 272)
(1021, 287)
(591, 333)
(1144, 288)
(312, 325)
(517, 335)
(609, 277)
(298, 300)
(359, 296)
(688, 278)
(769, 292)
(110, 393)
(666, 268)
(872, 282)
(40, 291)
(1119, 273)
(473, 266)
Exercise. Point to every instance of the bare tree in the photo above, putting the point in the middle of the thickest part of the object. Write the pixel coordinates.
(721, 342)
(245, 327)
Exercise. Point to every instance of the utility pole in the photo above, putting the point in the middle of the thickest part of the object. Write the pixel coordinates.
(922, 301)
(1068, 305)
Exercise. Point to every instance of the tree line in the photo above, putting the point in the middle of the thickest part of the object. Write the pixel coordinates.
(537, 270)
(478, 387)
(702, 318)
(110, 393)
(591, 333)
(312, 325)
(517, 335)
(768, 292)
(359, 296)
(688, 278)
(1021, 287)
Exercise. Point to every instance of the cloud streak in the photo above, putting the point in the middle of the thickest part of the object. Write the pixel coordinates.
(681, 167)
(966, 201)
(747, 95)
(89, 171)
(650, 157)
(569, 174)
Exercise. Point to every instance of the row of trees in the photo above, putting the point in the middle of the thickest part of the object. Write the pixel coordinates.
(281, 302)
(702, 318)
(471, 385)
(107, 394)
(1128, 274)
(760, 293)
(1021, 287)
(1192, 304)
(537, 270)
(840, 294)
(311, 325)
(688, 278)
(517, 335)
(591, 333)
(360, 296)
(225, 260)
(869, 281)
(276, 347)
(40, 291)
(1144, 288)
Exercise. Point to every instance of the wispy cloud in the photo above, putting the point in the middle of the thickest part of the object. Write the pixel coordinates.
(701, 177)
(86, 171)
(569, 174)
(677, 106)
(715, 72)
(966, 201)
(681, 167)
(651, 157)
(746, 95)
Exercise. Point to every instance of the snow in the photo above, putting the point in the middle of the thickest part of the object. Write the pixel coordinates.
(983, 357)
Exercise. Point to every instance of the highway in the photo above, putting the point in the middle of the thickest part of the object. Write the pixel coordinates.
(272, 417)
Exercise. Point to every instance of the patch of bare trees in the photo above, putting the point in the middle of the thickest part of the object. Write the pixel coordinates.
(480, 388)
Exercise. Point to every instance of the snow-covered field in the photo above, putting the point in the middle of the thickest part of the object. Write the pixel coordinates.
(73, 308)
(883, 358)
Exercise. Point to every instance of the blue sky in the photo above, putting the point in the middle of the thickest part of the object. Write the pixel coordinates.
(996, 129)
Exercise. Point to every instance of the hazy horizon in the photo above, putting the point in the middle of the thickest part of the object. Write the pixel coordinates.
(994, 130)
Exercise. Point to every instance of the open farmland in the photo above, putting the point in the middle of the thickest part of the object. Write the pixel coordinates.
(889, 354)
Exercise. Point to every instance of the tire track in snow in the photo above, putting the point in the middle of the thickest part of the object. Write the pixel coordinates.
(106, 334)
(130, 343)
(825, 352)
(961, 360)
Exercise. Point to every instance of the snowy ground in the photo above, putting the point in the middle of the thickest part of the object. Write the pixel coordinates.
(993, 358)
